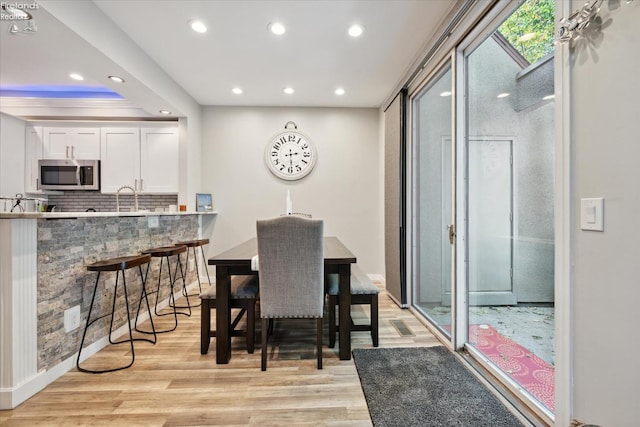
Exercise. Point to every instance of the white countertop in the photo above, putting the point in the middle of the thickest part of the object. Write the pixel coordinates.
(52, 215)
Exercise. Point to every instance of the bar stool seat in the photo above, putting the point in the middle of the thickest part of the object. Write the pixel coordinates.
(193, 244)
(165, 252)
(118, 265)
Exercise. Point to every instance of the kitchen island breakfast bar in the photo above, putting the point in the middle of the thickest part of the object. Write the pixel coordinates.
(43, 259)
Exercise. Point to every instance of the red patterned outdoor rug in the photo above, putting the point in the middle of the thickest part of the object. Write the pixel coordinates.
(531, 372)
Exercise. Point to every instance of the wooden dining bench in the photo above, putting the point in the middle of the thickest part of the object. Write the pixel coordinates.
(363, 291)
(244, 295)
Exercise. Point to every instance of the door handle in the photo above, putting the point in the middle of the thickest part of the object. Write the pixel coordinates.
(67, 152)
(452, 233)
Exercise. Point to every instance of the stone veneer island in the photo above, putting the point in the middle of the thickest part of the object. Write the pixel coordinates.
(43, 258)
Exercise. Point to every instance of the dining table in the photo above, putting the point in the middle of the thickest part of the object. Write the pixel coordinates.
(237, 261)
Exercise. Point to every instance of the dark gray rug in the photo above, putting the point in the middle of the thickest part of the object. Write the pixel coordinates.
(425, 386)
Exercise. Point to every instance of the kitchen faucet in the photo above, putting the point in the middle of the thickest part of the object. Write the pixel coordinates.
(135, 197)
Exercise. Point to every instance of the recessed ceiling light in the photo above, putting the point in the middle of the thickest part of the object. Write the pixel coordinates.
(277, 28)
(236, 90)
(446, 93)
(166, 112)
(340, 91)
(288, 90)
(116, 79)
(548, 97)
(355, 30)
(76, 76)
(198, 26)
(503, 95)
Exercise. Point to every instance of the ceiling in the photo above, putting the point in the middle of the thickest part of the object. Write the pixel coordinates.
(315, 55)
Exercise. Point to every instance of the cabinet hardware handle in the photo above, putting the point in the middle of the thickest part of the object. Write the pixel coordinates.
(73, 152)
(67, 152)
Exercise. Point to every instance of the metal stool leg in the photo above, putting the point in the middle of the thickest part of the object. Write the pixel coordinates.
(184, 286)
(143, 293)
(185, 276)
(113, 307)
(157, 292)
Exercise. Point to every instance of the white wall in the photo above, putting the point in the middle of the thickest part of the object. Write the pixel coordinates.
(343, 189)
(606, 150)
(12, 143)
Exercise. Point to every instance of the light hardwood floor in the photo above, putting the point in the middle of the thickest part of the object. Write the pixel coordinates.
(172, 384)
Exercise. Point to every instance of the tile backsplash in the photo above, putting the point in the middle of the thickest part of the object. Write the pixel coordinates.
(80, 201)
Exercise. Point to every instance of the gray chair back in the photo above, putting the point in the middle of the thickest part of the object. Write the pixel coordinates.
(291, 271)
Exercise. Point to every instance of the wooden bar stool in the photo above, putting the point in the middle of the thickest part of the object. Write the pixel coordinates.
(193, 244)
(118, 265)
(166, 252)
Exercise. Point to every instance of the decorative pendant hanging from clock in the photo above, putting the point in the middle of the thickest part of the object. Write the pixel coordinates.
(290, 154)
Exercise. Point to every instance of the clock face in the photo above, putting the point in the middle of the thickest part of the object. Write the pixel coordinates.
(290, 155)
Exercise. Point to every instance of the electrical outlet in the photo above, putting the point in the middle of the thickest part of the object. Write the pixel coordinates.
(72, 318)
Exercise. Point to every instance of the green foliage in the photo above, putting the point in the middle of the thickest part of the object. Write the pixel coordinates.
(533, 17)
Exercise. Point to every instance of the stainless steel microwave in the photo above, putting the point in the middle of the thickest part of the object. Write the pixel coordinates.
(69, 174)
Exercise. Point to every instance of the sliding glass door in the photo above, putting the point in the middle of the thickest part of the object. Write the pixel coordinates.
(509, 141)
(432, 199)
(482, 199)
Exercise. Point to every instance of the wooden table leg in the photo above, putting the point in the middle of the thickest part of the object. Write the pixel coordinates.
(223, 315)
(345, 312)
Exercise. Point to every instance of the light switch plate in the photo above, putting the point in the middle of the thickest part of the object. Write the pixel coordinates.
(153, 221)
(592, 214)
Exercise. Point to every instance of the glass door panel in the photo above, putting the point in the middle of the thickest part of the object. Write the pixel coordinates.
(510, 200)
(432, 199)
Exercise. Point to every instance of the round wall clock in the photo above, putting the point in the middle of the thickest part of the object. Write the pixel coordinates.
(290, 154)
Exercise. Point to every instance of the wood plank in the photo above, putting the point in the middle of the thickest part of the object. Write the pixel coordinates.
(172, 384)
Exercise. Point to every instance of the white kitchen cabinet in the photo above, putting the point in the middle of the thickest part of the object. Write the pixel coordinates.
(71, 143)
(159, 151)
(144, 158)
(33, 153)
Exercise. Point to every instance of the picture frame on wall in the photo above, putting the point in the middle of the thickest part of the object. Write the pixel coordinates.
(204, 202)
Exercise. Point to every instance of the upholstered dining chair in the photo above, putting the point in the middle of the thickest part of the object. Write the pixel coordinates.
(291, 273)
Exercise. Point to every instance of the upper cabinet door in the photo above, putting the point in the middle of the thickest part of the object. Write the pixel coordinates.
(56, 143)
(71, 143)
(85, 144)
(120, 159)
(159, 149)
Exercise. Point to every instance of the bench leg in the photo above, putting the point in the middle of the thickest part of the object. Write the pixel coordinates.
(251, 324)
(205, 326)
(374, 319)
(319, 341)
(332, 320)
(265, 333)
